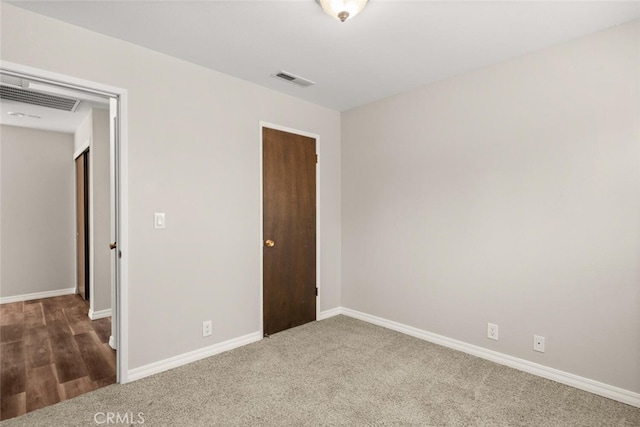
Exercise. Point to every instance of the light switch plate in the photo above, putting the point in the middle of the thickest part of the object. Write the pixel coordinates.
(159, 221)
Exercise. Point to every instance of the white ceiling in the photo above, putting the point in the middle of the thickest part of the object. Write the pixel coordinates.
(42, 117)
(391, 47)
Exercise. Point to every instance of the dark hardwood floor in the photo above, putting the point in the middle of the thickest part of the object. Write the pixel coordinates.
(51, 351)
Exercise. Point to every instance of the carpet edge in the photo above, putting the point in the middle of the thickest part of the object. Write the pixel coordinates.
(601, 389)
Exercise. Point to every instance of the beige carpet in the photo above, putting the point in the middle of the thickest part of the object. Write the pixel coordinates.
(339, 371)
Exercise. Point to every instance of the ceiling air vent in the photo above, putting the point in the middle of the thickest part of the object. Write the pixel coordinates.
(11, 93)
(292, 78)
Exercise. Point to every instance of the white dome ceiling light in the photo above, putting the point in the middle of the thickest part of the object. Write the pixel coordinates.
(342, 9)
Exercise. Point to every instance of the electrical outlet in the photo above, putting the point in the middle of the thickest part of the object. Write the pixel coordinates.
(538, 343)
(492, 331)
(207, 328)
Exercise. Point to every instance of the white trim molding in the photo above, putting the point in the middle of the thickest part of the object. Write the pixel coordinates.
(38, 295)
(99, 314)
(582, 383)
(330, 313)
(192, 356)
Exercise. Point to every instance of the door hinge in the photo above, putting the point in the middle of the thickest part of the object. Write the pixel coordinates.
(316, 158)
(316, 291)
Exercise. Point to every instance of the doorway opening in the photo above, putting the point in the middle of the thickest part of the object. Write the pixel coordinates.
(110, 319)
(83, 217)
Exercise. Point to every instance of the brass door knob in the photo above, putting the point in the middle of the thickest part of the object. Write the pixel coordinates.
(269, 243)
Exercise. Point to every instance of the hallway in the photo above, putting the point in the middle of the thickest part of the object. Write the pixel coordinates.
(51, 351)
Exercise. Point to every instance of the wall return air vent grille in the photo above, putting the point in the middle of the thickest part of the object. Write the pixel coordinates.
(11, 93)
(292, 78)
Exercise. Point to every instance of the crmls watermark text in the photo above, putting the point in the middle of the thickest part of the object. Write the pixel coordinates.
(128, 418)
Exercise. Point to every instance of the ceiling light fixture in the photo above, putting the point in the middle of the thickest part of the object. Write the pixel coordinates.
(342, 9)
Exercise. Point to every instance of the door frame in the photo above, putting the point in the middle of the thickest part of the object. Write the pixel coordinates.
(88, 238)
(316, 137)
(81, 150)
(122, 283)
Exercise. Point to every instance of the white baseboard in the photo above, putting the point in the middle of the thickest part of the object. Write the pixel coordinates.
(100, 314)
(586, 384)
(37, 295)
(112, 342)
(330, 313)
(192, 356)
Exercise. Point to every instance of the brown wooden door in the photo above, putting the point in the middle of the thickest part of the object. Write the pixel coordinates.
(289, 221)
(82, 224)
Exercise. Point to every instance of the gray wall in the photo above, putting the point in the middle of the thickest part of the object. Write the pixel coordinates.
(508, 195)
(101, 210)
(194, 153)
(37, 203)
(94, 132)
